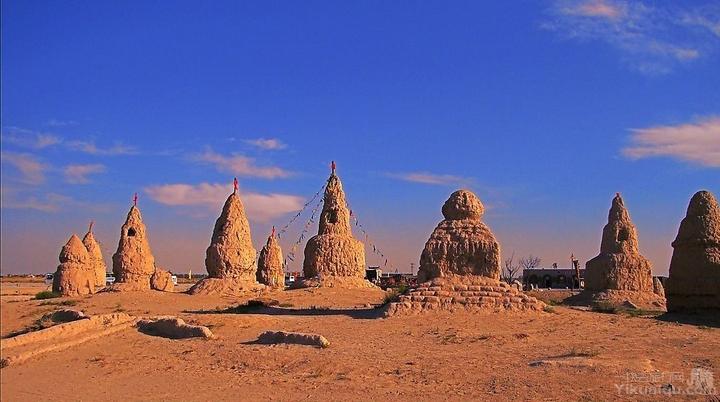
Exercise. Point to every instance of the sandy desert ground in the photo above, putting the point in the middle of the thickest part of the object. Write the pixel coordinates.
(564, 354)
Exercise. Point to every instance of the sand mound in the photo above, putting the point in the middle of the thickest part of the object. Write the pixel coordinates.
(464, 293)
(225, 286)
(61, 336)
(297, 338)
(334, 252)
(694, 281)
(342, 282)
(173, 328)
(162, 280)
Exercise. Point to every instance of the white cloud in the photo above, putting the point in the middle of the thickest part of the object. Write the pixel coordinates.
(240, 165)
(32, 170)
(89, 147)
(29, 138)
(46, 202)
(78, 174)
(211, 196)
(596, 8)
(431, 178)
(61, 123)
(697, 142)
(651, 39)
(267, 143)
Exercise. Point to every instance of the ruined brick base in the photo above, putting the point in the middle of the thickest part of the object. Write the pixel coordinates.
(464, 293)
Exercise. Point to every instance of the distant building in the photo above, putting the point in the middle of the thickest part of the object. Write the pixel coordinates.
(553, 278)
(373, 274)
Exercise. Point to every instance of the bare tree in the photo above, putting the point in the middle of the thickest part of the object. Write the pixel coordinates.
(510, 269)
(529, 262)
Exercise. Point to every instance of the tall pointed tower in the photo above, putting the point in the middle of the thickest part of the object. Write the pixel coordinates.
(620, 273)
(230, 258)
(334, 257)
(133, 262)
(96, 257)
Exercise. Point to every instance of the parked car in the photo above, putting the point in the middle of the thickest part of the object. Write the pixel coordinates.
(174, 279)
(49, 278)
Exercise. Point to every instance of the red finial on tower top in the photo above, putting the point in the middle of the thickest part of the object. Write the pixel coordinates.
(235, 185)
(332, 167)
(273, 231)
(135, 200)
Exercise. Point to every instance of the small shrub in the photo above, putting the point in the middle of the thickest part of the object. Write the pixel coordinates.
(549, 309)
(574, 352)
(46, 294)
(604, 307)
(286, 305)
(393, 295)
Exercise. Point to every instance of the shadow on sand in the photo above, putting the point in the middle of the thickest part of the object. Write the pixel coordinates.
(355, 313)
(711, 320)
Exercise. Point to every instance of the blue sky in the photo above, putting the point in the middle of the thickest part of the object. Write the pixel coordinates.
(544, 108)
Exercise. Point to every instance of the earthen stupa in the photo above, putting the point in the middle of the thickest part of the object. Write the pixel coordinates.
(230, 258)
(461, 266)
(334, 258)
(270, 263)
(75, 275)
(133, 262)
(620, 274)
(694, 281)
(96, 257)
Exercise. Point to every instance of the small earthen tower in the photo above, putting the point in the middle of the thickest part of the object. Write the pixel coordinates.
(75, 275)
(270, 263)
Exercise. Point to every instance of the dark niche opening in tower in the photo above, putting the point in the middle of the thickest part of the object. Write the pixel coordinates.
(332, 217)
(624, 235)
(131, 232)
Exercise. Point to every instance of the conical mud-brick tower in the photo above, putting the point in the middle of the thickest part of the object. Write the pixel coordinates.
(75, 275)
(334, 258)
(133, 262)
(270, 263)
(620, 273)
(461, 264)
(230, 258)
(694, 282)
(96, 257)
